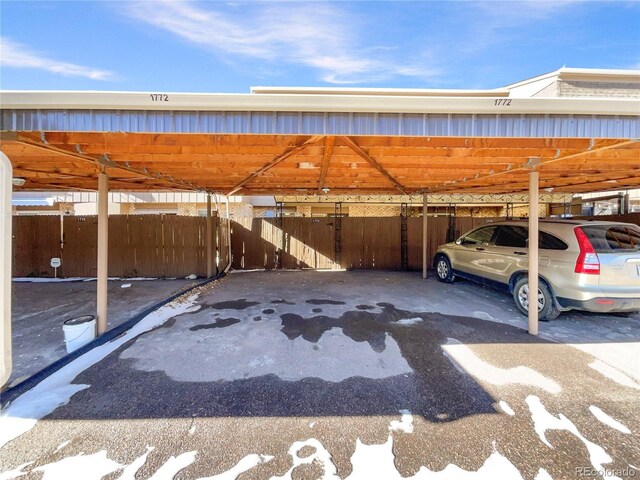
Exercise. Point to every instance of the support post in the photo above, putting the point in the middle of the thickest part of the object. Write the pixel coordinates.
(533, 252)
(103, 250)
(425, 236)
(6, 213)
(209, 239)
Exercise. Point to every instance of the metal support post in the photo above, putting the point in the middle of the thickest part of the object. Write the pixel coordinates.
(6, 213)
(425, 238)
(533, 252)
(404, 250)
(209, 239)
(103, 250)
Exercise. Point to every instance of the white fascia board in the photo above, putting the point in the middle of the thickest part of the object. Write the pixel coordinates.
(388, 92)
(315, 103)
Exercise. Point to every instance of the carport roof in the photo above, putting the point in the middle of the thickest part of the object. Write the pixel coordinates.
(355, 142)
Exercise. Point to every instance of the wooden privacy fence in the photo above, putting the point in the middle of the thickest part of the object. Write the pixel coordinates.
(173, 246)
(332, 243)
(393, 243)
(139, 245)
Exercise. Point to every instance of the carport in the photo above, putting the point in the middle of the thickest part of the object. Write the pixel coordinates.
(296, 142)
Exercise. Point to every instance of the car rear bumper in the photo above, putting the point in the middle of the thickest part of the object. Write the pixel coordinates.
(601, 304)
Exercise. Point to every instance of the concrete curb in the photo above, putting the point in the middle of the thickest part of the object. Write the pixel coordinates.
(12, 393)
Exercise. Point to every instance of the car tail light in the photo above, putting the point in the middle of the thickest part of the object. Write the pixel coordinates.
(588, 261)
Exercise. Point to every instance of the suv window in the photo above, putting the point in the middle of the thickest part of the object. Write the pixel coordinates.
(511, 236)
(518, 237)
(551, 242)
(481, 236)
(606, 239)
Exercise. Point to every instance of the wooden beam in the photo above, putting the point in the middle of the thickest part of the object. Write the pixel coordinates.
(326, 158)
(444, 188)
(292, 150)
(25, 140)
(359, 151)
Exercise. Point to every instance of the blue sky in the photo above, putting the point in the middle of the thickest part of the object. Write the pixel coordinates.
(229, 46)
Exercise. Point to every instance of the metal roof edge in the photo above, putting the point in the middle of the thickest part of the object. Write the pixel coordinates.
(50, 100)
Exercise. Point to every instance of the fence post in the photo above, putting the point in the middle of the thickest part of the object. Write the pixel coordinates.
(404, 249)
(337, 234)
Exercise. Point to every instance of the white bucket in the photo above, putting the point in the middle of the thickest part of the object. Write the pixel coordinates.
(79, 331)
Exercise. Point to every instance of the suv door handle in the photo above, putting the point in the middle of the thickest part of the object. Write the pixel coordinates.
(520, 253)
(479, 249)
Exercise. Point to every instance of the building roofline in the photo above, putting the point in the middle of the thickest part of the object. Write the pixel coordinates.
(582, 74)
(150, 101)
(390, 92)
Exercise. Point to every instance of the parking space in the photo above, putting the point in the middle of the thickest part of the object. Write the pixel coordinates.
(365, 374)
(40, 306)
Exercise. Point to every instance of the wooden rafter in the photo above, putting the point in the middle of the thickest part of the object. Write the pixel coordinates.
(326, 158)
(360, 152)
(101, 162)
(283, 156)
(457, 184)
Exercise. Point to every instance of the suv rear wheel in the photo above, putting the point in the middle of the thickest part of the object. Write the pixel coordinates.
(443, 269)
(546, 306)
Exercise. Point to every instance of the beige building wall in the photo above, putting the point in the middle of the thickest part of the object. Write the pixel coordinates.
(575, 88)
(188, 209)
(372, 210)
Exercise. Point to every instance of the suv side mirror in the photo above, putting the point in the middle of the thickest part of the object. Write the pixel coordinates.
(459, 241)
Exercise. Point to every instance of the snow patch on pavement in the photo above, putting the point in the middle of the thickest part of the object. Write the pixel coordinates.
(172, 466)
(80, 467)
(237, 352)
(484, 371)
(608, 420)
(405, 424)
(57, 389)
(543, 475)
(543, 421)
(15, 473)
(320, 457)
(506, 408)
(483, 316)
(409, 321)
(247, 463)
(614, 374)
(622, 354)
(62, 445)
(129, 473)
(377, 461)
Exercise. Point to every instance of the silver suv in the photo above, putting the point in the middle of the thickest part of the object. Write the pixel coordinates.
(584, 265)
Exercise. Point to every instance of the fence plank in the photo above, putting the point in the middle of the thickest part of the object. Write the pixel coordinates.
(36, 239)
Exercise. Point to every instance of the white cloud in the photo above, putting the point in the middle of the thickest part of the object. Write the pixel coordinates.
(17, 55)
(320, 36)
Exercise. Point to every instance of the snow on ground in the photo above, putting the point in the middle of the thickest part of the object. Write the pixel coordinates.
(231, 347)
(76, 279)
(171, 467)
(506, 408)
(57, 389)
(484, 371)
(608, 420)
(623, 355)
(614, 374)
(320, 456)
(404, 425)
(80, 467)
(543, 421)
